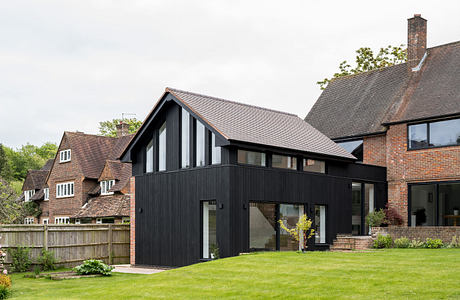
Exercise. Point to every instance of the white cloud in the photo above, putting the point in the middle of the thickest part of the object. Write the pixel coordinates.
(66, 65)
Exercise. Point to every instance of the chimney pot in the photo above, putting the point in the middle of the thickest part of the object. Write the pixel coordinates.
(416, 40)
(122, 129)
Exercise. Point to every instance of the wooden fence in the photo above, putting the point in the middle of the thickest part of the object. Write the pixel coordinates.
(71, 244)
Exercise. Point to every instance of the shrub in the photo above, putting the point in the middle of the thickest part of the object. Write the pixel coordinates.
(416, 244)
(5, 280)
(402, 243)
(433, 243)
(4, 292)
(383, 241)
(93, 266)
(303, 228)
(47, 260)
(455, 243)
(20, 259)
(215, 253)
(392, 216)
(375, 218)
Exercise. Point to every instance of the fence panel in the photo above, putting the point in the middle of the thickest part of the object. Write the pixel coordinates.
(71, 244)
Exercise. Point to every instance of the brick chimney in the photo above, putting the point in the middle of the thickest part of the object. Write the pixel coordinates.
(122, 129)
(416, 40)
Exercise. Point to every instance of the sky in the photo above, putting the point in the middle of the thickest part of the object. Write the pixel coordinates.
(67, 65)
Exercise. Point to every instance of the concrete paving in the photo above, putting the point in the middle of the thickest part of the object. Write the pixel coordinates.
(136, 270)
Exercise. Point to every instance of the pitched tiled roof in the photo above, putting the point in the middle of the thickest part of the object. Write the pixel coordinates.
(359, 104)
(48, 165)
(35, 180)
(245, 123)
(435, 90)
(40, 195)
(105, 206)
(121, 172)
(93, 150)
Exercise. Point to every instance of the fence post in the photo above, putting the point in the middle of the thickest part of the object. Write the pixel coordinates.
(110, 244)
(45, 237)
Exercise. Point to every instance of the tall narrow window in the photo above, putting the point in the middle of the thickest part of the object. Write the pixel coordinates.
(185, 149)
(149, 157)
(162, 148)
(46, 192)
(216, 151)
(200, 144)
(209, 228)
(320, 222)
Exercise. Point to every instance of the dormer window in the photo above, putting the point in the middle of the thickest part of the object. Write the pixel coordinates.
(28, 194)
(106, 185)
(64, 156)
(46, 191)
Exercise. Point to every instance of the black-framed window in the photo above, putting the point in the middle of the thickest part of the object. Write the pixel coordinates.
(284, 162)
(320, 224)
(185, 139)
(265, 232)
(162, 147)
(149, 157)
(200, 144)
(209, 228)
(433, 134)
(252, 158)
(434, 204)
(314, 165)
(354, 147)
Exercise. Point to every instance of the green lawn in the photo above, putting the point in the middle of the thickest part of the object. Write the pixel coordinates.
(383, 274)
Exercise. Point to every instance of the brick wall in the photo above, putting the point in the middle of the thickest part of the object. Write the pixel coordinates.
(425, 165)
(374, 150)
(132, 220)
(445, 233)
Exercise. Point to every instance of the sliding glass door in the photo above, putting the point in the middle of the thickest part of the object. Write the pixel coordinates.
(290, 214)
(362, 203)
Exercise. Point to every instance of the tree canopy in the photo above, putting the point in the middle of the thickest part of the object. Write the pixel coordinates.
(109, 127)
(367, 61)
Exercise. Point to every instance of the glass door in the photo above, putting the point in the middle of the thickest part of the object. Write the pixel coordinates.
(356, 206)
(209, 228)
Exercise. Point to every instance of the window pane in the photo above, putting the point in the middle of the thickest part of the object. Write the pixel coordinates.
(216, 151)
(369, 203)
(312, 165)
(200, 144)
(445, 133)
(209, 228)
(449, 204)
(149, 157)
(351, 146)
(289, 214)
(320, 224)
(283, 161)
(185, 150)
(262, 226)
(417, 136)
(356, 200)
(251, 158)
(423, 205)
(162, 148)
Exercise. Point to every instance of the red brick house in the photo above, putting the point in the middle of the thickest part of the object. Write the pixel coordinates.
(405, 118)
(36, 189)
(85, 183)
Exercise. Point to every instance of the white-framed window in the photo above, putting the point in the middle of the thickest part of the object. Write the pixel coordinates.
(28, 220)
(149, 157)
(61, 220)
(64, 156)
(99, 221)
(106, 185)
(64, 189)
(216, 151)
(77, 221)
(46, 221)
(46, 191)
(28, 194)
(162, 148)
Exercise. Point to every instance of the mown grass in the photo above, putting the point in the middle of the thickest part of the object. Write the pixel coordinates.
(382, 274)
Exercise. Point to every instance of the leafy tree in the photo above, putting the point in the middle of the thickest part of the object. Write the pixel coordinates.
(109, 128)
(5, 170)
(10, 205)
(366, 61)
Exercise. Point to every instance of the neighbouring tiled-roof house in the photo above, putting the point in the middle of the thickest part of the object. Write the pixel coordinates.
(84, 181)
(35, 189)
(406, 118)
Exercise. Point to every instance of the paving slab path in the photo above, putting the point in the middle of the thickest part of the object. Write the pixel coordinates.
(136, 270)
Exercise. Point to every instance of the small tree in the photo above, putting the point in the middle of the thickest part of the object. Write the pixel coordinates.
(109, 128)
(303, 229)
